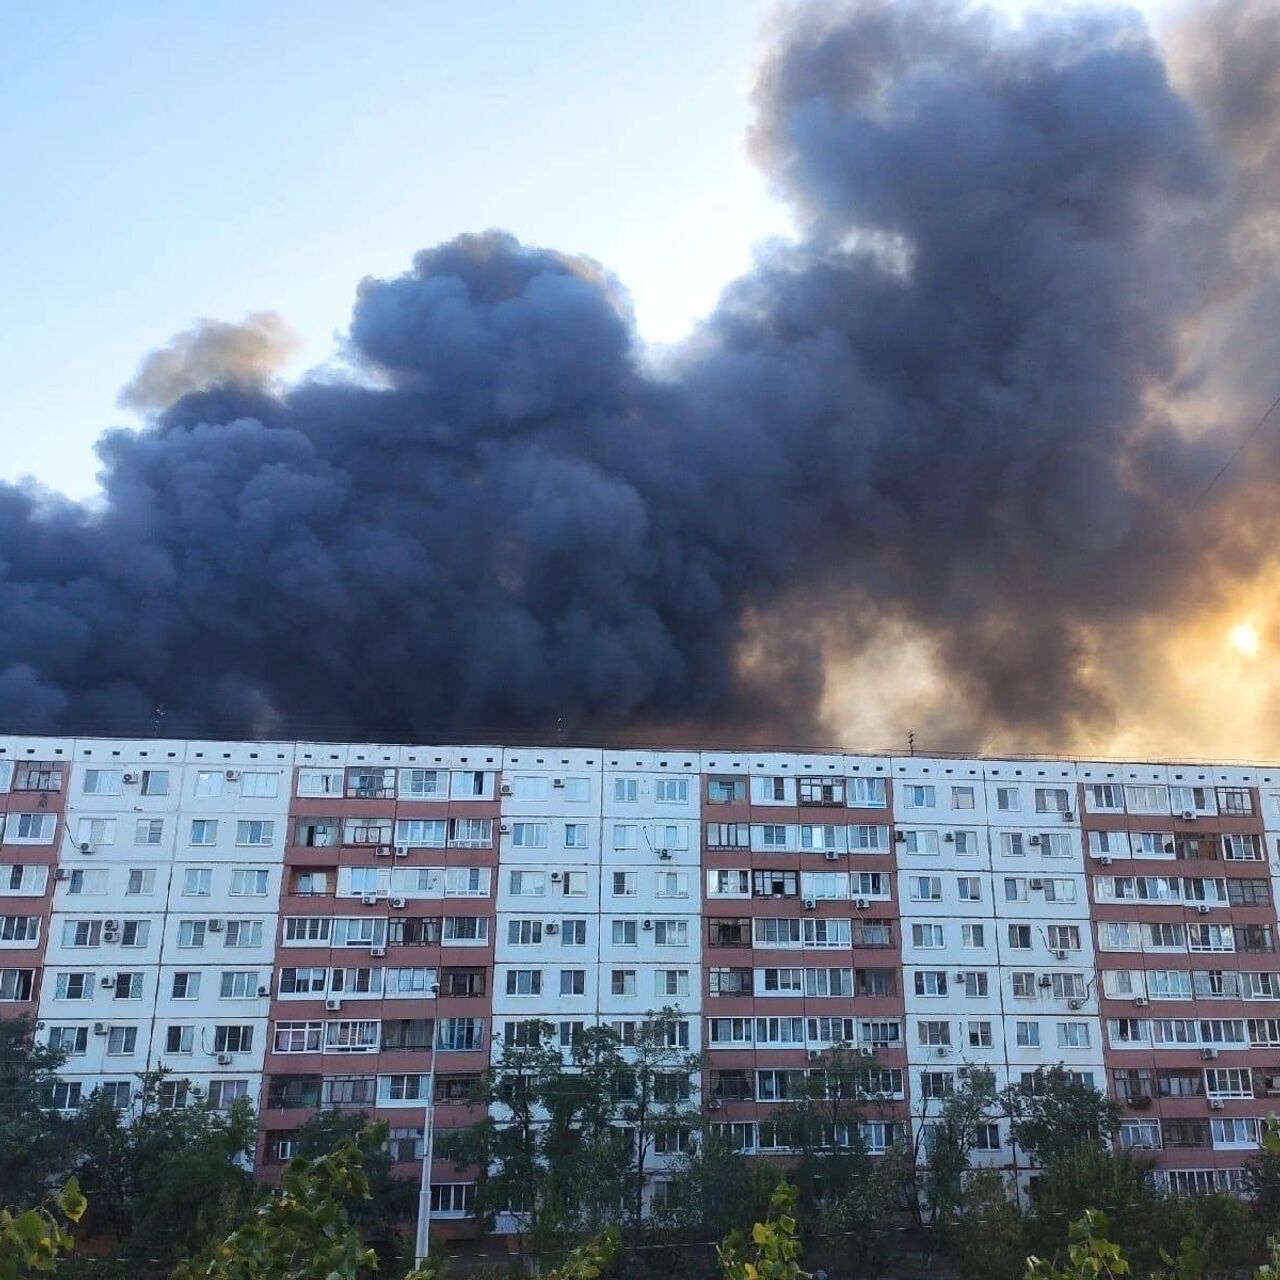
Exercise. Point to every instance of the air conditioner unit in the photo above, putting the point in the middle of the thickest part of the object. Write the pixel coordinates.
(1075, 1004)
(1188, 815)
(811, 904)
(1215, 1104)
(224, 1059)
(861, 904)
(333, 1003)
(1104, 859)
(866, 1052)
(505, 789)
(1208, 1054)
(1033, 839)
(99, 1028)
(504, 828)
(368, 899)
(111, 924)
(556, 877)
(398, 903)
(943, 1051)
(110, 935)
(1202, 908)
(1035, 883)
(1141, 1001)
(900, 836)
(130, 778)
(815, 1055)
(196, 1091)
(646, 924)
(377, 951)
(264, 991)
(85, 847)
(1045, 981)
(557, 782)
(962, 1073)
(960, 977)
(950, 837)
(551, 927)
(1068, 816)
(713, 1104)
(382, 851)
(831, 856)
(1059, 954)
(664, 854)
(232, 775)
(108, 981)
(215, 926)
(61, 873)
(402, 851)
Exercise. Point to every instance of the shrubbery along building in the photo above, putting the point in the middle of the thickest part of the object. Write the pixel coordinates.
(315, 925)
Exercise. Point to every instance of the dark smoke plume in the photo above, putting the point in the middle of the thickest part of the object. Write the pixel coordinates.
(973, 401)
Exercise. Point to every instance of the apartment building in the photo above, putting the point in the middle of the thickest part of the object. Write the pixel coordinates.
(364, 926)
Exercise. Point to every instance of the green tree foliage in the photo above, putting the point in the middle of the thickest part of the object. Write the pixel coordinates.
(35, 1142)
(1089, 1255)
(303, 1231)
(859, 1228)
(33, 1240)
(773, 1250)
(167, 1179)
(944, 1144)
(1056, 1112)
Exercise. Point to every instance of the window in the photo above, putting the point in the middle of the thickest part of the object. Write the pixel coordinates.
(249, 884)
(239, 984)
(1147, 799)
(769, 790)
(671, 982)
(1052, 800)
(973, 935)
(625, 835)
(155, 782)
(625, 933)
(671, 791)
(726, 790)
(915, 796)
(72, 1041)
(74, 986)
(122, 1040)
(622, 982)
(671, 933)
(319, 782)
(1235, 801)
(103, 782)
(191, 933)
(866, 793)
(969, 888)
(868, 839)
(97, 832)
(259, 784)
(1020, 937)
(29, 828)
(1073, 1035)
(180, 1039)
(91, 883)
(222, 1093)
(209, 782)
(133, 933)
(244, 933)
(986, 1137)
(1063, 937)
(529, 835)
(573, 982)
(576, 835)
(1012, 844)
(930, 982)
(128, 986)
(186, 985)
(424, 784)
(524, 982)
(1007, 799)
(1027, 1035)
(82, 933)
(452, 1199)
(626, 790)
(254, 831)
(1105, 798)
(962, 797)
(527, 884)
(920, 841)
(204, 831)
(141, 882)
(233, 1039)
(927, 936)
(925, 888)
(975, 984)
(297, 1037)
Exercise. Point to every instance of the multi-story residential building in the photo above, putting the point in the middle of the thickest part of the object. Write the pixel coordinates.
(365, 926)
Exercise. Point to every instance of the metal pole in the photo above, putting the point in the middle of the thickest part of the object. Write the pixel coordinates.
(424, 1191)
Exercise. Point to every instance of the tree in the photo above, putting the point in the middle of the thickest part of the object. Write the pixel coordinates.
(716, 1186)
(169, 1178)
(303, 1231)
(773, 1252)
(944, 1141)
(1057, 1111)
(32, 1241)
(859, 1227)
(35, 1145)
(987, 1238)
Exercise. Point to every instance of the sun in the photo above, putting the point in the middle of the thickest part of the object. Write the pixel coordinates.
(1244, 639)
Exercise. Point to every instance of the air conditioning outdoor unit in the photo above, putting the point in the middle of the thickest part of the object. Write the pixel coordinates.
(1208, 1054)
(505, 789)
(99, 1028)
(1215, 1104)
(950, 837)
(646, 924)
(196, 1091)
(556, 877)
(1075, 1004)
(402, 851)
(1045, 981)
(264, 991)
(377, 951)
(1033, 839)
(900, 836)
(713, 1104)
(1141, 1001)
(551, 927)
(831, 856)
(368, 899)
(108, 982)
(1202, 908)
(1059, 955)
(1035, 882)
(557, 782)
(504, 828)
(215, 926)
(224, 1059)
(1104, 859)
(1188, 815)
(943, 1051)
(232, 775)
(811, 904)
(130, 777)
(1068, 816)
(85, 847)
(664, 854)
(110, 935)
(61, 873)
(861, 904)
(815, 1055)
(382, 851)
(111, 924)
(333, 1003)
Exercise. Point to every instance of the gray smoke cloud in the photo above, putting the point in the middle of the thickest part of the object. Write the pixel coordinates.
(957, 403)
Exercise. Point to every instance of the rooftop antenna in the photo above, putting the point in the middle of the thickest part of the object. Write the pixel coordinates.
(911, 742)
(158, 715)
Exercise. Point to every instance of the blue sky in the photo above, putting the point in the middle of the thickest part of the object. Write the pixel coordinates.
(164, 162)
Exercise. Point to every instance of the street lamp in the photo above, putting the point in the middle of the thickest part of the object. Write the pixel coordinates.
(428, 1142)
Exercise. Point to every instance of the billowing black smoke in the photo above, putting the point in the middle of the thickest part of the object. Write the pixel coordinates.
(950, 404)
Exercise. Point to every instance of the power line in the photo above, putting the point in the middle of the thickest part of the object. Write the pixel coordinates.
(1236, 452)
